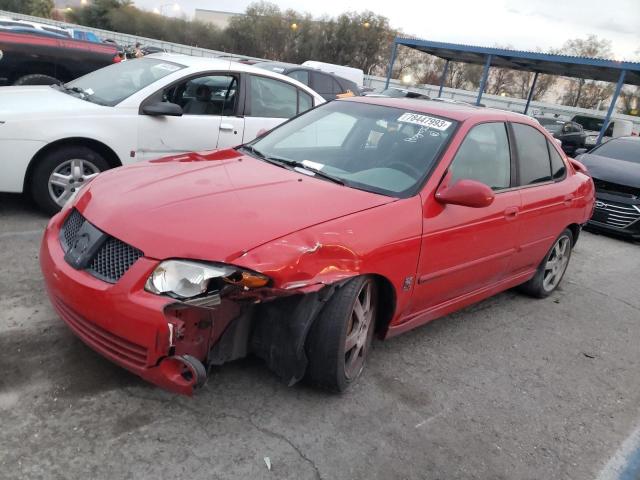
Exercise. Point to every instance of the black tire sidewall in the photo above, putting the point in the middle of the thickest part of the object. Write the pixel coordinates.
(36, 79)
(326, 339)
(39, 181)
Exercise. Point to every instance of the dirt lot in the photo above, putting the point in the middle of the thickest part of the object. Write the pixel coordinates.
(512, 388)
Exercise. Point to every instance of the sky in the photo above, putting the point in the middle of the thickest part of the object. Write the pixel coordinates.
(521, 24)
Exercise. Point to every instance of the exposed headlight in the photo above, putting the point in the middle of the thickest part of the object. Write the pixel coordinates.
(186, 279)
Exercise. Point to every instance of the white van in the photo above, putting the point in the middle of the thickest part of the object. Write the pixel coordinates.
(354, 74)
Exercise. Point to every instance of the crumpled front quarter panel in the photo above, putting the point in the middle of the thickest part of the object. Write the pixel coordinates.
(383, 240)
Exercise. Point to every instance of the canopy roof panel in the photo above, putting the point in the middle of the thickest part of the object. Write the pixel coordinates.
(563, 65)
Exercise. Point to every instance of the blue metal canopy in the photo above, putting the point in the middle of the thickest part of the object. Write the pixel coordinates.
(601, 69)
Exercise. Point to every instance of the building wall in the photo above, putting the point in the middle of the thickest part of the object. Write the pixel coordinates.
(214, 17)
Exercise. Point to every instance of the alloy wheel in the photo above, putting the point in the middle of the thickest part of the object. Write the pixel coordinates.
(556, 263)
(68, 177)
(358, 331)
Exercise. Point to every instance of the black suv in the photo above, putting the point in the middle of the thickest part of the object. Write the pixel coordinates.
(327, 85)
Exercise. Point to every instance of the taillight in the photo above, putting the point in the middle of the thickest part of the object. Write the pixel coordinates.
(117, 59)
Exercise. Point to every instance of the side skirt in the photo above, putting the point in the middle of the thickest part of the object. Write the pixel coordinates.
(457, 303)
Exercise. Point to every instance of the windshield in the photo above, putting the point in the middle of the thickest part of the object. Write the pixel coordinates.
(111, 85)
(589, 123)
(620, 149)
(371, 147)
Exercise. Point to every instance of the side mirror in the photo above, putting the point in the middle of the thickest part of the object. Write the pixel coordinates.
(162, 109)
(467, 193)
(579, 166)
(580, 151)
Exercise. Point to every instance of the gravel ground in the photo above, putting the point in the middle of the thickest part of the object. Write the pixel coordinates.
(511, 388)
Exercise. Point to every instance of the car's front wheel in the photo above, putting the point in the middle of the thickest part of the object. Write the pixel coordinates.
(552, 268)
(60, 172)
(340, 338)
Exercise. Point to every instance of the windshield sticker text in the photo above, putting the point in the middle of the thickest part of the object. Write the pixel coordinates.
(425, 121)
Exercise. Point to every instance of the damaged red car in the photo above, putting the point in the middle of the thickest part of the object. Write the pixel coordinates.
(360, 217)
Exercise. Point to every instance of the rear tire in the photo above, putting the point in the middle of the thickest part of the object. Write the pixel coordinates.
(552, 268)
(36, 79)
(340, 338)
(60, 172)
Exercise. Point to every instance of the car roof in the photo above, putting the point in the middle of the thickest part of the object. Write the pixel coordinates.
(226, 64)
(454, 111)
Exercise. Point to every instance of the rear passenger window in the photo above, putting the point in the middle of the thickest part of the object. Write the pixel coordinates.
(305, 102)
(272, 98)
(558, 168)
(533, 155)
(484, 156)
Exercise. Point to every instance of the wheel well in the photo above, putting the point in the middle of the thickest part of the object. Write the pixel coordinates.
(107, 153)
(575, 230)
(386, 303)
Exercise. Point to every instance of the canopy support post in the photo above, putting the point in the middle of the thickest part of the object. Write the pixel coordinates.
(392, 60)
(444, 77)
(612, 106)
(530, 96)
(485, 76)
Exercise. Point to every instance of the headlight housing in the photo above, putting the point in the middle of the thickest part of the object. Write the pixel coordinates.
(187, 279)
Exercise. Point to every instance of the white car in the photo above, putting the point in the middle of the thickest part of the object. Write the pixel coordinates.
(53, 138)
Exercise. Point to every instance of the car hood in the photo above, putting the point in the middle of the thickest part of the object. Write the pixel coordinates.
(214, 207)
(612, 170)
(32, 101)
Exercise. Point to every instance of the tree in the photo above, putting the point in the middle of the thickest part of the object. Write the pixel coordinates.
(522, 83)
(39, 8)
(97, 13)
(581, 92)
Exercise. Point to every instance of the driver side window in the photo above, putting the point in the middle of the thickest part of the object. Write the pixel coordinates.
(484, 156)
(206, 95)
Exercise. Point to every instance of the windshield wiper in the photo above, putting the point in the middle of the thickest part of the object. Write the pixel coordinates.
(282, 162)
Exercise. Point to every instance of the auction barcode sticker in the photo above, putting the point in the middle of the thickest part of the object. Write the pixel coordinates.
(425, 121)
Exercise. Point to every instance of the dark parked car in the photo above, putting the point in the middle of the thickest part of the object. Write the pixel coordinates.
(395, 92)
(571, 134)
(615, 168)
(327, 85)
(38, 57)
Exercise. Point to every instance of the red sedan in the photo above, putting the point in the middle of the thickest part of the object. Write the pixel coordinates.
(361, 216)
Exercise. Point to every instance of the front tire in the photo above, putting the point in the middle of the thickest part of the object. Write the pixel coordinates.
(36, 79)
(552, 268)
(60, 172)
(340, 338)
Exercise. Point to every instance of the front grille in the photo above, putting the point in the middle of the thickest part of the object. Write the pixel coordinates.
(102, 340)
(616, 188)
(615, 214)
(113, 258)
(70, 229)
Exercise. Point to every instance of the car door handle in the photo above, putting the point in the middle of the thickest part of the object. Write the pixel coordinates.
(511, 212)
(226, 126)
(568, 199)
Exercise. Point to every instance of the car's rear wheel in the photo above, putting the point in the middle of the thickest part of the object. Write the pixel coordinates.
(61, 172)
(36, 79)
(340, 338)
(552, 268)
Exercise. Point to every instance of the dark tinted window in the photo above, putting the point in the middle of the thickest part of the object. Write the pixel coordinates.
(484, 156)
(558, 168)
(305, 102)
(322, 83)
(300, 75)
(620, 149)
(533, 155)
